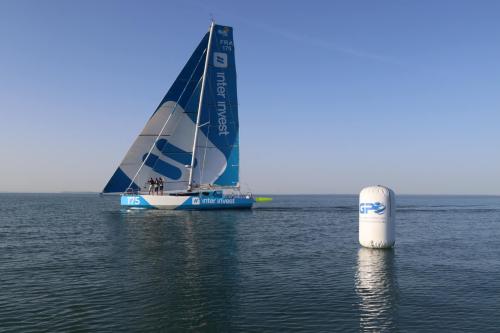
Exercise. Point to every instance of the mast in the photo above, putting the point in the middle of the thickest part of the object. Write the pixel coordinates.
(200, 102)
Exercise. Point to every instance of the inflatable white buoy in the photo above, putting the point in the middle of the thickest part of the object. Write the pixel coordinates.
(377, 206)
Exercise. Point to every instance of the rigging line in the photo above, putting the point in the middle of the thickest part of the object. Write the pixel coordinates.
(202, 170)
(249, 188)
(166, 122)
(178, 121)
(200, 104)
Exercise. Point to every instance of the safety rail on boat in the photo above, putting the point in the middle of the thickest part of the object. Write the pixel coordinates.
(199, 190)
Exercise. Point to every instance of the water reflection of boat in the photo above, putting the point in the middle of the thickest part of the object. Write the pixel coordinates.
(179, 265)
(377, 287)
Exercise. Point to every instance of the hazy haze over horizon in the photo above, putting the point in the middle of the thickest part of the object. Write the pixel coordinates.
(333, 96)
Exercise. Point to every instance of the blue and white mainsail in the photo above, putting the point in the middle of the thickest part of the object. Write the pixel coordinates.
(165, 145)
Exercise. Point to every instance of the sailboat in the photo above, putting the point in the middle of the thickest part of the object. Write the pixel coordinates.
(191, 141)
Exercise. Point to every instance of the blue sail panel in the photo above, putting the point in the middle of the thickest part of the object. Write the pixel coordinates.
(219, 115)
(184, 86)
(230, 176)
(119, 182)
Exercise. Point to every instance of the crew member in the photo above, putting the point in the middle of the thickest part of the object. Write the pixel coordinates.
(160, 180)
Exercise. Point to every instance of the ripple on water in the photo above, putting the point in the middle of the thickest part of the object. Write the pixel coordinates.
(78, 263)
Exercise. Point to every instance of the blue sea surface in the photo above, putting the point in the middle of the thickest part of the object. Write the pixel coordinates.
(77, 263)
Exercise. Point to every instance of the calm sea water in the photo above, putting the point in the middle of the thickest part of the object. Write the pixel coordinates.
(78, 263)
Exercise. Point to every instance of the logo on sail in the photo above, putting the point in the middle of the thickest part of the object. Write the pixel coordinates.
(220, 59)
(224, 31)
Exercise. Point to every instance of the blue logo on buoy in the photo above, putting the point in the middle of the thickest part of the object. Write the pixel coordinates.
(376, 207)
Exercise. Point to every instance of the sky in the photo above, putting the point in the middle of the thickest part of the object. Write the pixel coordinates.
(333, 95)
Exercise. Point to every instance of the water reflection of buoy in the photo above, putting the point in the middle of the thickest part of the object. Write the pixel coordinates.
(377, 288)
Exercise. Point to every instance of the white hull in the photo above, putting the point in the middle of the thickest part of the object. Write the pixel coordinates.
(195, 201)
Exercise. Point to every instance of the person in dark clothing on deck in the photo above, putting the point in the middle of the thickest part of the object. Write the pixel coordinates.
(160, 180)
(151, 183)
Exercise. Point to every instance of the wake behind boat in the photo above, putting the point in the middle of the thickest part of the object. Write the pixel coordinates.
(192, 139)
